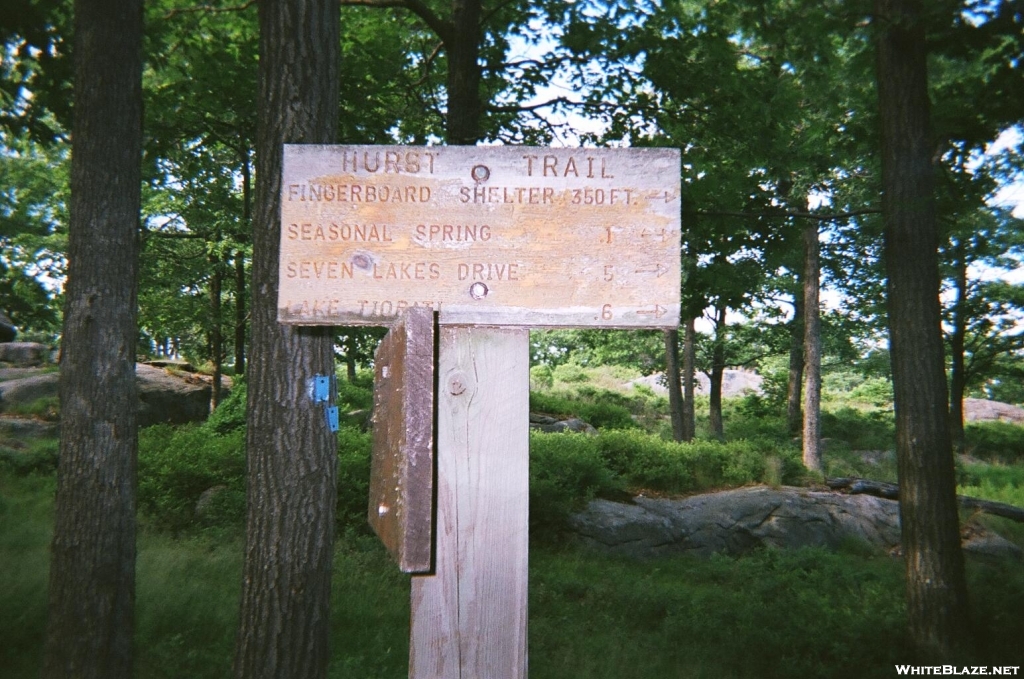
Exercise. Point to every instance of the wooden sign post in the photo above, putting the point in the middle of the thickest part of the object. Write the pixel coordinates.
(491, 241)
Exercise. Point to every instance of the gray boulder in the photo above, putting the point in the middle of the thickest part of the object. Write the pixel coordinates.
(980, 410)
(550, 424)
(27, 389)
(23, 354)
(163, 396)
(738, 521)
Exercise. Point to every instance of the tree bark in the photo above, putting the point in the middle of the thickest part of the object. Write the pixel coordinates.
(216, 334)
(689, 375)
(937, 608)
(795, 385)
(92, 569)
(717, 372)
(812, 352)
(291, 453)
(463, 48)
(675, 386)
(958, 374)
(240, 313)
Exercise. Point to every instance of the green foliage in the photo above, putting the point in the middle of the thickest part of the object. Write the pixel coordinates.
(356, 395)
(996, 441)
(354, 451)
(178, 464)
(45, 408)
(873, 430)
(875, 390)
(996, 482)
(596, 408)
(38, 457)
(566, 472)
(230, 414)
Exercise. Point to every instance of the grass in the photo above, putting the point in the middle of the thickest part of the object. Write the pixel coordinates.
(806, 613)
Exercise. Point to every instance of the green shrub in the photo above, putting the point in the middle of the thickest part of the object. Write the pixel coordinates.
(356, 395)
(230, 413)
(875, 390)
(45, 408)
(874, 430)
(354, 451)
(178, 464)
(570, 372)
(541, 377)
(566, 472)
(596, 408)
(995, 441)
(39, 457)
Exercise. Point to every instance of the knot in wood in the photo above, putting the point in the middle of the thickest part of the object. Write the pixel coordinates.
(457, 383)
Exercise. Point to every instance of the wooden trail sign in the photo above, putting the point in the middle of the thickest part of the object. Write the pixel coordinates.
(498, 235)
(402, 467)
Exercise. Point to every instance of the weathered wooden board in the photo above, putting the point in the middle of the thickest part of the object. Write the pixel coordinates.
(497, 235)
(402, 468)
(469, 618)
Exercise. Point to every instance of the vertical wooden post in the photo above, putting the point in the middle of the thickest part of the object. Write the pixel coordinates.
(469, 617)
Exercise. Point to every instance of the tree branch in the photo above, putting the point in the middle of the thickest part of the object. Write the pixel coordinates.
(821, 217)
(531, 107)
(444, 29)
(209, 8)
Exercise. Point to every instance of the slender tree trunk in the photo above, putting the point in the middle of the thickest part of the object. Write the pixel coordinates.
(937, 608)
(958, 372)
(812, 352)
(717, 372)
(795, 385)
(240, 313)
(92, 568)
(463, 47)
(675, 386)
(216, 335)
(689, 375)
(291, 454)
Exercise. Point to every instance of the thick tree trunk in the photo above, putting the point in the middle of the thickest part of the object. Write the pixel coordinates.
(812, 352)
(463, 48)
(689, 375)
(795, 385)
(92, 569)
(675, 386)
(291, 453)
(937, 608)
(717, 372)
(958, 371)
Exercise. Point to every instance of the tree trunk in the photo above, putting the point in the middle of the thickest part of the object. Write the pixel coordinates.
(689, 375)
(216, 335)
(291, 453)
(812, 352)
(463, 48)
(958, 374)
(717, 372)
(795, 385)
(92, 569)
(937, 608)
(675, 386)
(240, 268)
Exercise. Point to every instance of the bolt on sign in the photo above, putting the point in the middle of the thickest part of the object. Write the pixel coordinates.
(496, 235)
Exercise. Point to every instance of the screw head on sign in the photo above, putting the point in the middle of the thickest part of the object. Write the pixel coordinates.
(478, 290)
(480, 173)
(383, 510)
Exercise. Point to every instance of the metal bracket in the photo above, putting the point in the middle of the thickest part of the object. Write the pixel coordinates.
(332, 418)
(324, 390)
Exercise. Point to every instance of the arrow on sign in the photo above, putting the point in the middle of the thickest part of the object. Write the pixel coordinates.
(648, 234)
(659, 269)
(658, 311)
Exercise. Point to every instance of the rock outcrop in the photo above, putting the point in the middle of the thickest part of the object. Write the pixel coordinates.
(163, 396)
(738, 521)
(24, 354)
(980, 410)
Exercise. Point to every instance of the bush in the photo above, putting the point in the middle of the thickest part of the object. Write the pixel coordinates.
(995, 441)
(566, 472)
(39, 458)
(177, 465)
(875, 430)
(596, 407)
(230, 414)
(354, 451)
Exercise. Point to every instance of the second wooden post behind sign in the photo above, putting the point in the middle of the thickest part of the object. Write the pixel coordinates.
(469, 617)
